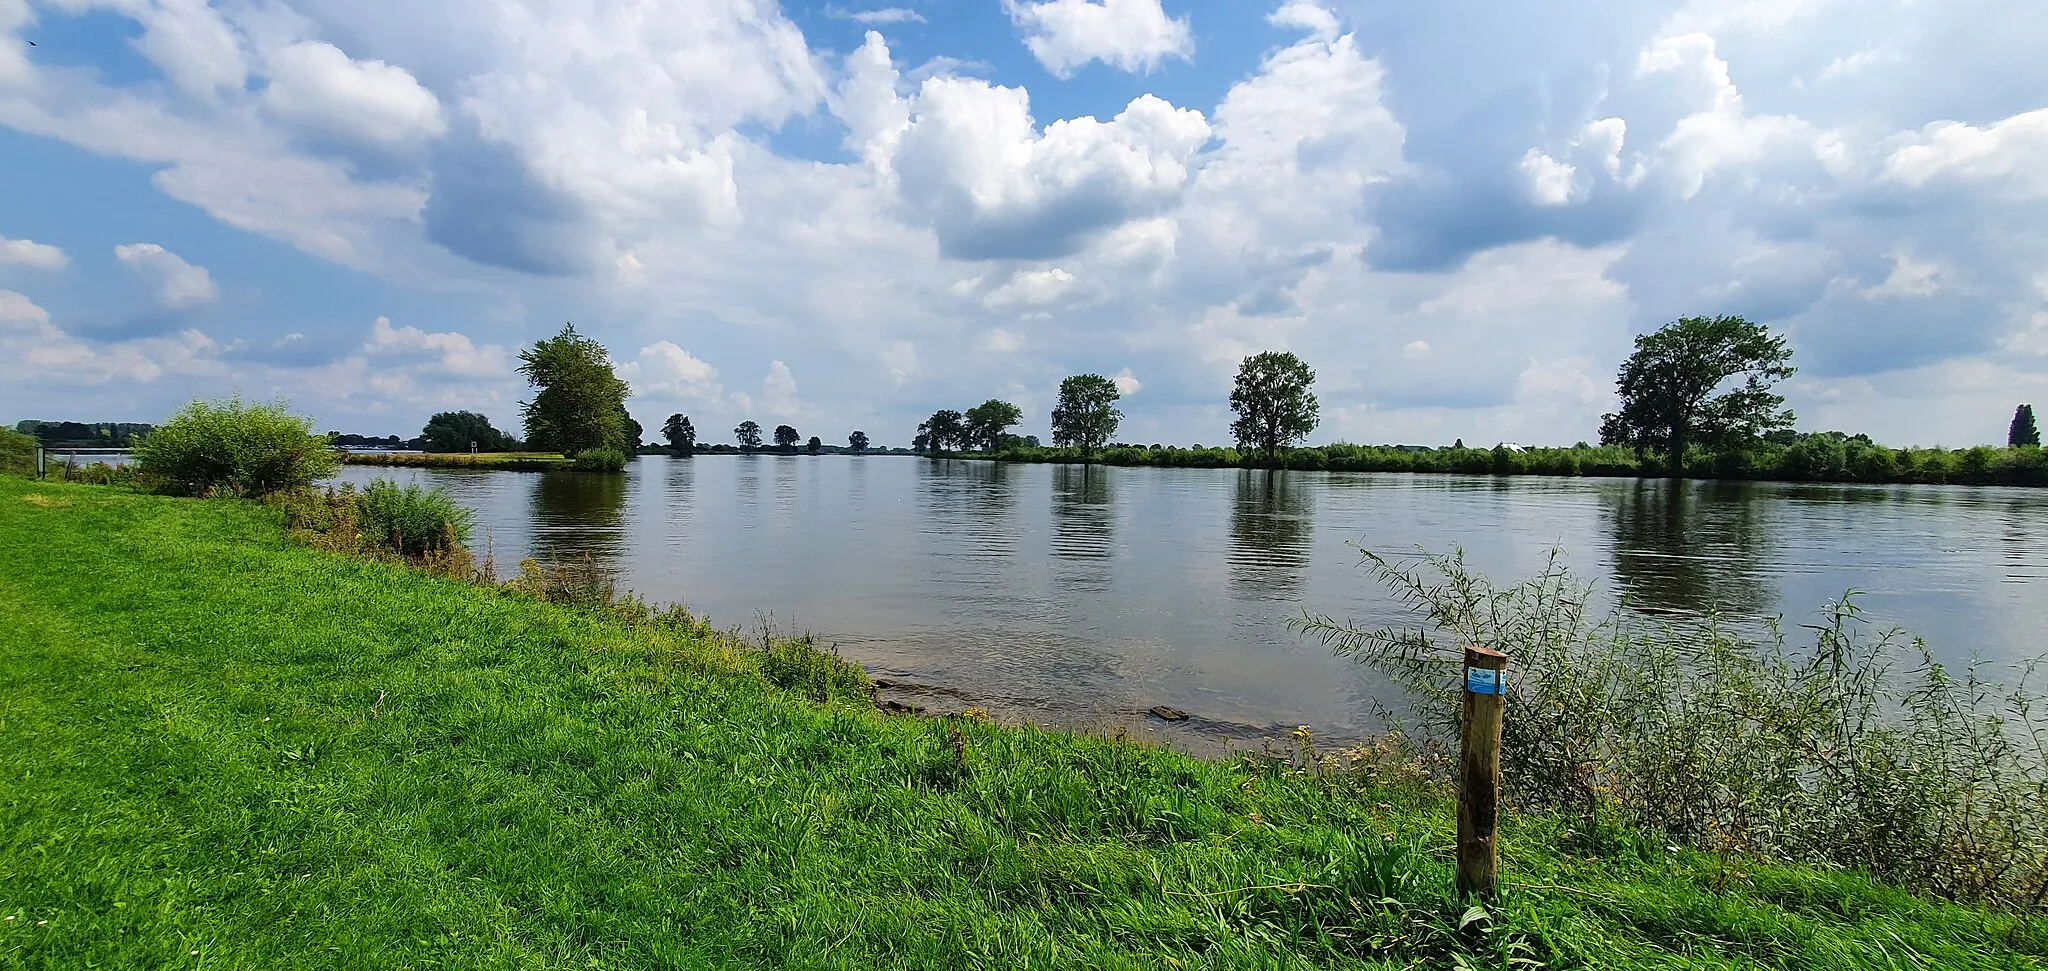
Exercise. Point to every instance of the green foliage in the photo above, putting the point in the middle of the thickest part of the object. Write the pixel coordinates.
(1273, 403)
(858, 441)
(629, 434)
(680, 433)
(505, 461)
(815, 445)
(749, 434)
(1858, 751)
(99, 434)
(786, 437)
(17, 453)
(455, 431)
(413, 521)
(2023, 431)
(581, 403)
(600, 460)
(987, 423)
(1086, 416)
(1672, 393)
(235, 448)
(945, 430)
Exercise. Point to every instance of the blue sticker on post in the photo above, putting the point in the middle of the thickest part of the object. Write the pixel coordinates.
(1482, 681)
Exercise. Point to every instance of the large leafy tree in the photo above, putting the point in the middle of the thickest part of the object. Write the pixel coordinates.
(1273, 403)
(455, 431)
(858, 441)
(681, 434)
(988, 421)
(2023, 430)
(581, 403)
(815, 445)
(1699, 381)
(943, 430)
(786, 437)
(1086, 415)
(749, 433)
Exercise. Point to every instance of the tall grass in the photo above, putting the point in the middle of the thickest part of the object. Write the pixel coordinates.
(508, 461)
(1852, 746)
(17, 453)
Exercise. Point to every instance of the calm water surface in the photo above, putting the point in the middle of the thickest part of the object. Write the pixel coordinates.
(1085, 597)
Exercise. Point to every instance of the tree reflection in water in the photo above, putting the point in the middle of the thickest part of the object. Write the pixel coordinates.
(1272, 527)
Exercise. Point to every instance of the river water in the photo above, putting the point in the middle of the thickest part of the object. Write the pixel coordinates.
(1083, 597)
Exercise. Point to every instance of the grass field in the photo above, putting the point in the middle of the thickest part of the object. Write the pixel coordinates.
(222, 750)
(506, 461)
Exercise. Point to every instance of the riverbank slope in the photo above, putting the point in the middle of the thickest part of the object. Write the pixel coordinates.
(219, 748)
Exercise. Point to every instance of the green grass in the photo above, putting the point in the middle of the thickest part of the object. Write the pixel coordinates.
(505, 461)
(219, 749)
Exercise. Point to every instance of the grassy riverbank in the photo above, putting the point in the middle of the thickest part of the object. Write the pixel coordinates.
(505, 461)
(219, 748)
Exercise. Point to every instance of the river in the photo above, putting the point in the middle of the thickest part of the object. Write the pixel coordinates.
(1084, 597)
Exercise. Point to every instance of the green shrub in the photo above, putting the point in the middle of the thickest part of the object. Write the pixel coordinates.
(235, 448)
(17, 453)
(606, 459)
(1859, 751)
(411, 520)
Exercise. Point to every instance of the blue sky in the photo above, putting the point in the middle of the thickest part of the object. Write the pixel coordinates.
(846, 215)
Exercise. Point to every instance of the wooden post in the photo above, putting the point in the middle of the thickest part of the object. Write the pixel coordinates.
(1479, 773)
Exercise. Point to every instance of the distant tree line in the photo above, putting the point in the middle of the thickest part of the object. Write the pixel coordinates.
(101, 434)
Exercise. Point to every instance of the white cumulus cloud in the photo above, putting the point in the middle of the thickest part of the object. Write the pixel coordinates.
(317, 86)
(1550, 181)
(1133, 35)
(178, 283)
(29, 253)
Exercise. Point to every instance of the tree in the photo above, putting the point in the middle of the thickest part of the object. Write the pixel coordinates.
(944, 429)
(786, 437)
(858, 441)
(1086, 414)
(987, 422)
(629, 434)
(681, 435)
(581, 403)
(815, 445)
(1671, 388)
(1273, 403)
(749, 434)
(455, 431)
(2023, 431)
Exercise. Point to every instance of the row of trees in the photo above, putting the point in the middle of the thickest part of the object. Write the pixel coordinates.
(1272, 400)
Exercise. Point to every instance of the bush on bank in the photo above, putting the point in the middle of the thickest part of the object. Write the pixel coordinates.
(17, 453)
(234, 448)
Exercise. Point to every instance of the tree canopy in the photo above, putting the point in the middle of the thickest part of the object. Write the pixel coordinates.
(1672, 388)
(1273, 403)
(2023, 430)
(749, 433)
(581, 403)
(786, 437)
(1086, 415)
(858, 441)
(987, 422)
(815, 445)
(945, 429)
(455, 431)
(681, 435)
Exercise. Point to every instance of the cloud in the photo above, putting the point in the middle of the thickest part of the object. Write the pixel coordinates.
(882, 15)
(29, 253)
(1415, 350)
(1722, 134)
(1909, 278)
(1550, 181)
(900, 357)
(1131, 35)
(666, 371)
(456, 353)
(178, 283)
(1853, 64)
(2008, 152)
(1127, 384)
(319, 88)
(968, 159)
(1030, 288)
(48, 359)
(1002, 341)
